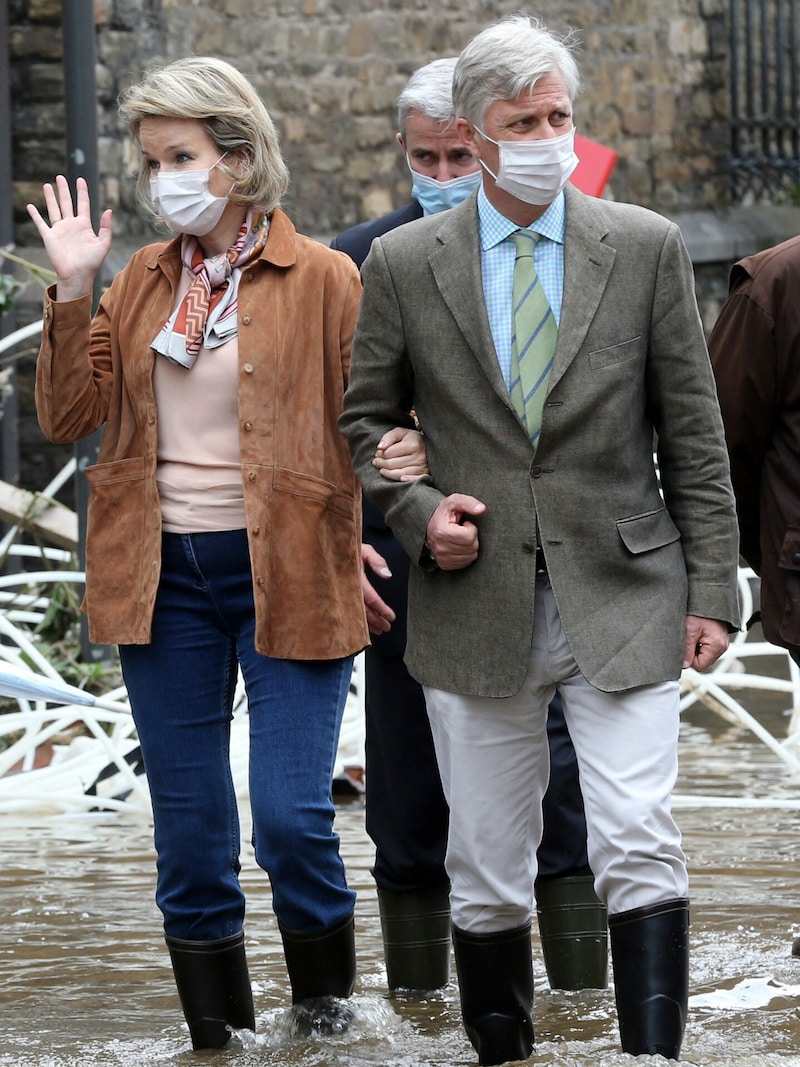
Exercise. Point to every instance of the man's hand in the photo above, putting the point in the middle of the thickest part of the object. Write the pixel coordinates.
(706, 640)
(379, 615)
(452, 540)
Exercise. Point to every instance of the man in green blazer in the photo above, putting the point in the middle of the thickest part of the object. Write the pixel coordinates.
(548, 555)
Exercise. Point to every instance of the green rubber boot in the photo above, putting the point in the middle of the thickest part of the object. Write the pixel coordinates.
(573, 926)
(416, 938)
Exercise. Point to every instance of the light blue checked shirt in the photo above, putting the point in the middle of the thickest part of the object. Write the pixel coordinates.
(497, 268)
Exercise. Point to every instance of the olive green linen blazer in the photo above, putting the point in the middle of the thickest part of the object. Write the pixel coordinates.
(631, 368)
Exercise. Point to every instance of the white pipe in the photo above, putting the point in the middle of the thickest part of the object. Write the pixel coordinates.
(22, 334)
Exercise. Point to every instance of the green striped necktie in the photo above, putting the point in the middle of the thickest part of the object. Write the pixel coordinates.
(533, 337)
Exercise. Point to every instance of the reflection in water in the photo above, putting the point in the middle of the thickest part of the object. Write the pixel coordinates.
(85, 978)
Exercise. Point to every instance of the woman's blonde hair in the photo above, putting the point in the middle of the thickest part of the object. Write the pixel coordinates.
(232, 113)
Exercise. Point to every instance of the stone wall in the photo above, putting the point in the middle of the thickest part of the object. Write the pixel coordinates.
(330, 72)
(654, 73)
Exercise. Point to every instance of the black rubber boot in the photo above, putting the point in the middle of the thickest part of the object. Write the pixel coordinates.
(322, 973)
(416, 938)
(214, 987)
(573, 927)
(495, 978)
(650, 953)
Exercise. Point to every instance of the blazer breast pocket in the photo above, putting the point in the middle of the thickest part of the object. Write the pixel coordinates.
(601, 358)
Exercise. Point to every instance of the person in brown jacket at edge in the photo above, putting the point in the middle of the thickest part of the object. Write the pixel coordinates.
(755, 354)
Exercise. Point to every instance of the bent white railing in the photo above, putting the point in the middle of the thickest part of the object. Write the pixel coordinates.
(69, 751)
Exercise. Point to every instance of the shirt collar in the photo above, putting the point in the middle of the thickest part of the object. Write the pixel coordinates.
(495, 227)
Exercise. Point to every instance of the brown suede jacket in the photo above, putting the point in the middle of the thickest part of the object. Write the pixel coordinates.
(297, 310)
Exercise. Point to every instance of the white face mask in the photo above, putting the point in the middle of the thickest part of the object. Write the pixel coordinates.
(434, 196)
(185, 201)
(534, 171)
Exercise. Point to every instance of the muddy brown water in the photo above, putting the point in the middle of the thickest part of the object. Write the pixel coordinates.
(85, 980)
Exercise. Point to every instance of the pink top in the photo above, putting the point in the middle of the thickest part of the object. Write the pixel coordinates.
(199, 474)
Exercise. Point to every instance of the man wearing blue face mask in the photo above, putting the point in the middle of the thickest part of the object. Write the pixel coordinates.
(406, 812)
(545, 338)
(443, 171)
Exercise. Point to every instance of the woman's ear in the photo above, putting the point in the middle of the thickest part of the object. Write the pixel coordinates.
(238, 161)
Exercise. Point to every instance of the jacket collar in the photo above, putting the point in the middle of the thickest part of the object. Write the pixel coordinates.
(588, 261)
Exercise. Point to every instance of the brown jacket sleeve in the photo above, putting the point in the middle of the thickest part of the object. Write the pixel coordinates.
(743, 355)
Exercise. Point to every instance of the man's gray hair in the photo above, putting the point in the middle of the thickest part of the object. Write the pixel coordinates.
(506, 60)
(429, 90)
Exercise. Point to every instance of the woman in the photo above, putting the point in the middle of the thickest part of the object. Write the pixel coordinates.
(224, 522)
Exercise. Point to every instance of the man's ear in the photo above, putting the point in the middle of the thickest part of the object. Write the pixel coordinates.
(468, 134)
(401, 142)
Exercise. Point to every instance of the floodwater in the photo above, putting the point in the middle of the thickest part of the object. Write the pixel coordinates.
(85, 980)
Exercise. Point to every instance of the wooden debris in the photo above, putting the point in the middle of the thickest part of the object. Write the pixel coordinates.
(39, 515)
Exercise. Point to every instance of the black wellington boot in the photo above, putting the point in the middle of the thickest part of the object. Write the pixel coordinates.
(495, 978)
(214, 987)
(416, 938)
(650, 954)
(573, 927)
(322, 973)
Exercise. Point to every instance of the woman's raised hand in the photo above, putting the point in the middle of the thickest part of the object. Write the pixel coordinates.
(74, 249)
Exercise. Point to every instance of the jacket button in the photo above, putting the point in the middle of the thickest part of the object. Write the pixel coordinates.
(536, 472)
(256, 531)
(248, 368)
(251, 477)
(246, 320)
(248, 425)
(528, 546)
(260, 583)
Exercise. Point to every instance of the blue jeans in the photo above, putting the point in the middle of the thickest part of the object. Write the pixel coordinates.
(181, 688)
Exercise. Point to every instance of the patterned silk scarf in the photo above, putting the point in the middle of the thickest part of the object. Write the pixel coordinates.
(207, 315)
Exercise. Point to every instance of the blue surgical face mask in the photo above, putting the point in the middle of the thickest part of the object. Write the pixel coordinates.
(434, 196)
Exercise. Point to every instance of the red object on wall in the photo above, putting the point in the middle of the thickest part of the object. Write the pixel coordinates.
(594, 169)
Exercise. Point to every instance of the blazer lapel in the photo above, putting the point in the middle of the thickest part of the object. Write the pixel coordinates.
(587, 266)
(588, 262)
(456, 267)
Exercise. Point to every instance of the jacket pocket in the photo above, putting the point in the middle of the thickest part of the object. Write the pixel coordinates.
(305, 485)
(621, 353)
(123, 524)
(643, 533)
(789, 557)
(118, 470)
